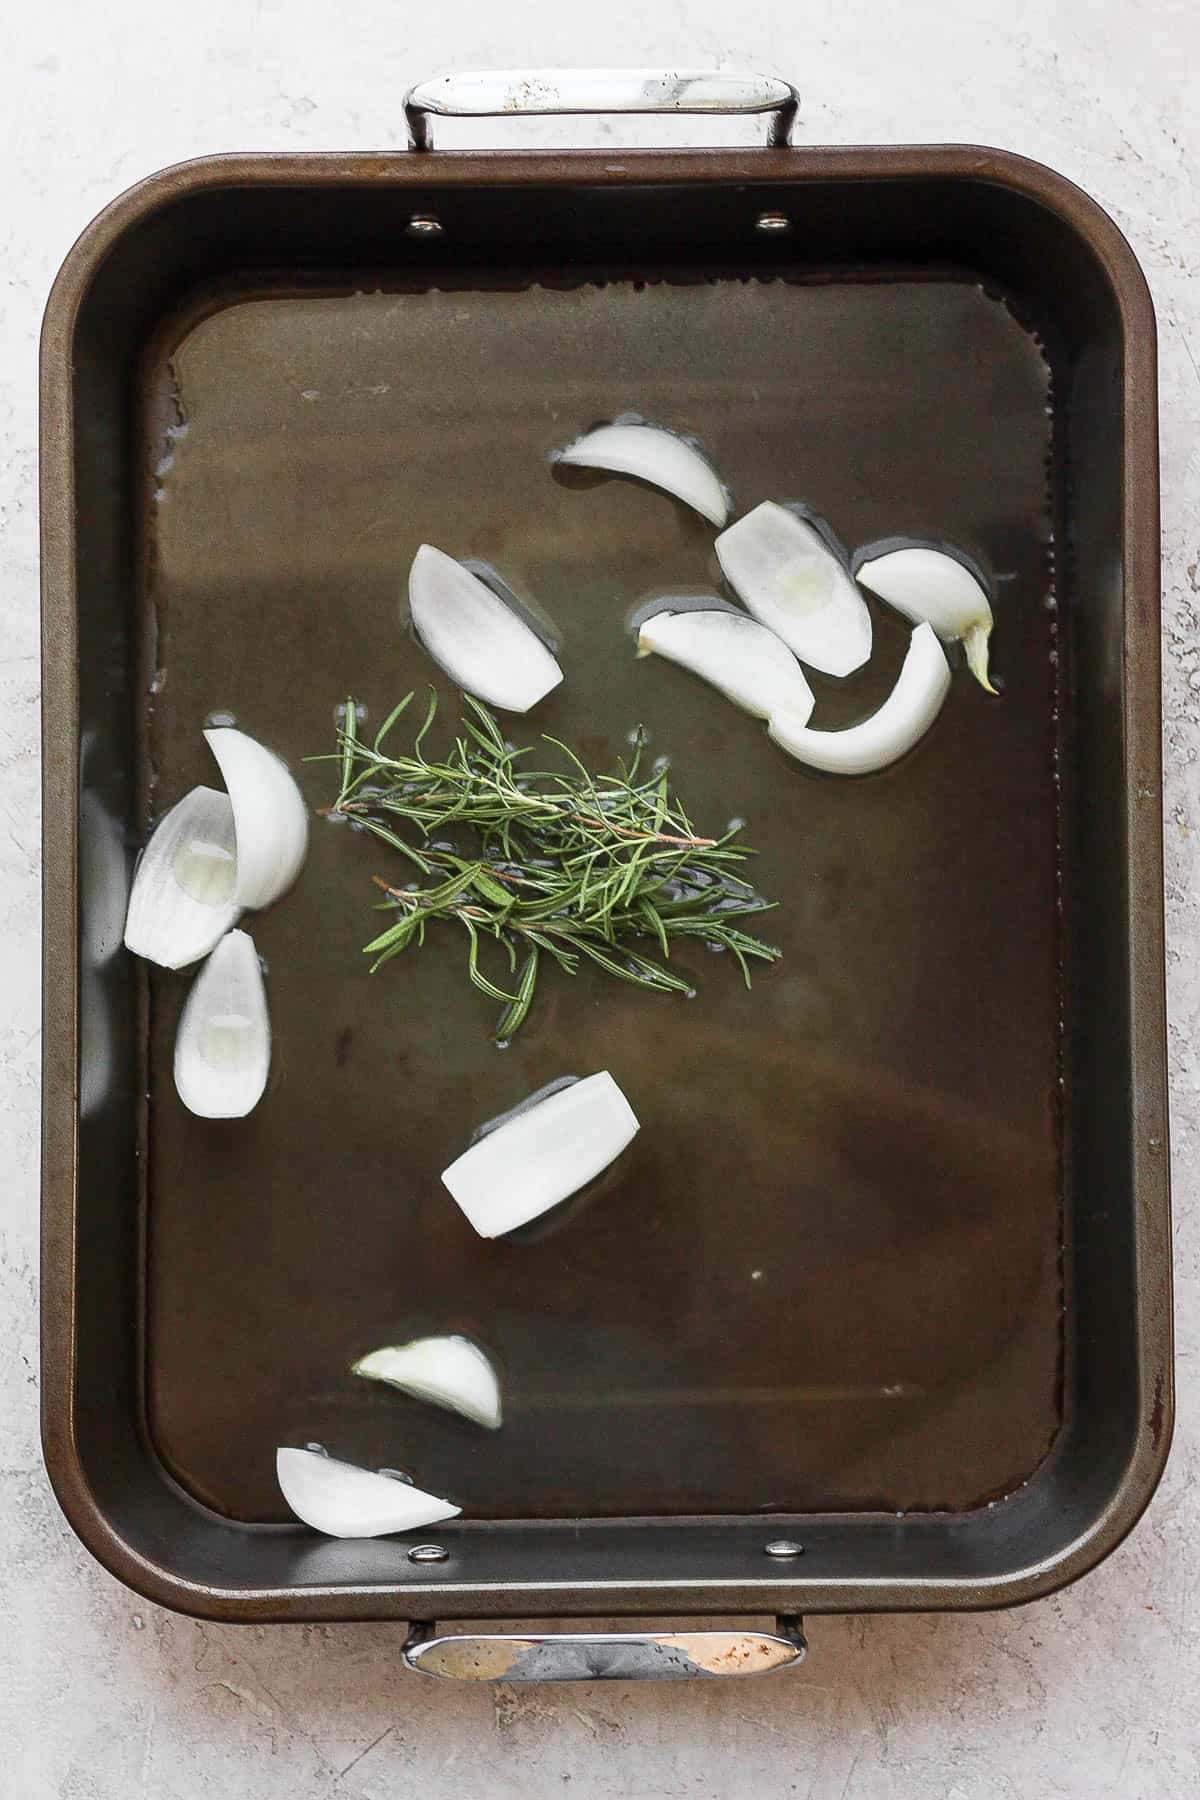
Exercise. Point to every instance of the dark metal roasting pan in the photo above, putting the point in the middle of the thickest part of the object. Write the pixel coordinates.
(878, 1314)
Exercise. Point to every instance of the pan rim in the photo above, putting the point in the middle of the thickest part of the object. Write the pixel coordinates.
(1089, 223)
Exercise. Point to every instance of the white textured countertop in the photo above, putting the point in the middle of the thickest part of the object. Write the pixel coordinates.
(103, 1697)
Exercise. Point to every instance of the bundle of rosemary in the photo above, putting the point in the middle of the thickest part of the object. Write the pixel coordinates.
(563, 864)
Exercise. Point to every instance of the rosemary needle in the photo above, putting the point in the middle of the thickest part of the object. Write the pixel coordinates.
(566, 866)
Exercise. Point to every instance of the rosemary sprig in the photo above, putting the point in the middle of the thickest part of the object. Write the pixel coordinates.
(566, 865)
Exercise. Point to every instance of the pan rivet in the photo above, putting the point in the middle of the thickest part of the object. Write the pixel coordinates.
(784, 1547)
(773, 223)
(423, 225)
(422, 1553)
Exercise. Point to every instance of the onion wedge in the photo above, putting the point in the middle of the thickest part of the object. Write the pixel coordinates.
(345, 1501)
(182, 902)
(789, 578)
(928, 586)
(223, 1044)
(269, 816)
(448, 1371)
(655, 455)
(541, 1155)
(104, 890)
(748, 663)
(478, 640)
(903, 719)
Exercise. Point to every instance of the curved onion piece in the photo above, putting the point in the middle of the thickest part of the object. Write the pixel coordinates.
(104, 892)
(789, 578)
(269, 816)
(480, 642)
(182, 900)
(448, 1371)
(223, 1044)
(97, 1053)
(903, 719)
(656, 455)
(928, 586)
(345, 1501)
(748, 663)
(541, 1155)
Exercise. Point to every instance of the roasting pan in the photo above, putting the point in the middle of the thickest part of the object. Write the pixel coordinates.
(879, 1317)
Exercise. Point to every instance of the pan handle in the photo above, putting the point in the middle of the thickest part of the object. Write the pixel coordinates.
(489, 94)
(605, 1655)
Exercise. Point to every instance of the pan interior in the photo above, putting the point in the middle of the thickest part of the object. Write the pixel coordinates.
(827, 1277)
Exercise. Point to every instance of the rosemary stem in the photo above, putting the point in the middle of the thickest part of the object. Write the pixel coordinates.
(567, 867)
(597, 824)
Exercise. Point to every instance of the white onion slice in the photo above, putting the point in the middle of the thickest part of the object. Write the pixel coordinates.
(269, 816)
(658, 456)
(104, 891)
(542, 1155)
(182, 900)
(448, 1371)
(928, 586)
(903, 719)
(223, 1043)
(97, 1056)
(480, 642)
(748, 663)
(345, 1501)
(789, 578)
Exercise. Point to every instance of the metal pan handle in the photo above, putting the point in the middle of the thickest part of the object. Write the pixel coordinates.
(492, 93)
(605, 1655)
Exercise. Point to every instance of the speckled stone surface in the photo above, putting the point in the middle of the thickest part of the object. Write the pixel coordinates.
(102, 1697)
